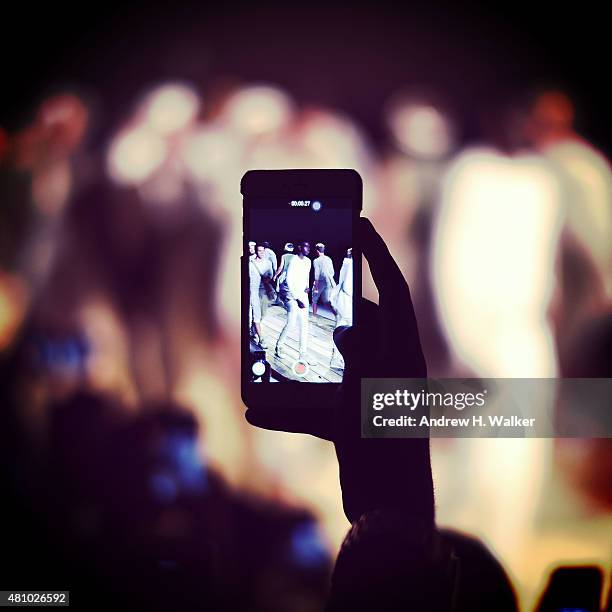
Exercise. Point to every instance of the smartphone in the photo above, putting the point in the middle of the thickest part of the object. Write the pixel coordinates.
(301, 279)
(573, 589)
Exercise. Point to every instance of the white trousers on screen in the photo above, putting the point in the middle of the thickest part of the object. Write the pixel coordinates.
(298, 315)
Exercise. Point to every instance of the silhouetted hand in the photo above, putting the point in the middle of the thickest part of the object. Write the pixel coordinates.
(374, 473)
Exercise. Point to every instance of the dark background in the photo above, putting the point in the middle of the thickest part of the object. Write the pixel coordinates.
(332, 227)
(479, 58)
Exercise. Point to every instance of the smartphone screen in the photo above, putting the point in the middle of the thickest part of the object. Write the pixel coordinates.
(300, 287)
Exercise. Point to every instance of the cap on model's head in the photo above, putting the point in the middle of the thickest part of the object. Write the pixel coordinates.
(320, 246)
(289, 247)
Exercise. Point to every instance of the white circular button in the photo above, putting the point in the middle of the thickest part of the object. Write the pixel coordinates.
(258, 368)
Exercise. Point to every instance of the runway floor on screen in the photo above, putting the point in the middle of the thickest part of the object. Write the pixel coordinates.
(320, 346)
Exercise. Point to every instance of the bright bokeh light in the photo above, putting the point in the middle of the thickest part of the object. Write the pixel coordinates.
(258, 110)
(332, 140)
(277, 153)
(493, 263)
(420, 130)
(171, 108)
(13, 301)
(135, 154)
(209, 151)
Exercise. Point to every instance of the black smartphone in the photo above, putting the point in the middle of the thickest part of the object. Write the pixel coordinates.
(301, 279)
(573, 589)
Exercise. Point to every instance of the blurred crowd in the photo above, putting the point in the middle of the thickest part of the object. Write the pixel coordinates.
(119, 330)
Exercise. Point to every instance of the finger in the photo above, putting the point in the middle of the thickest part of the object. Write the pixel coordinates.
(387, 276)
(342, 341)
(398, 325)
(349, 341)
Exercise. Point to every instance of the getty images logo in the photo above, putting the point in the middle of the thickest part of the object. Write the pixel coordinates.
(300, 202)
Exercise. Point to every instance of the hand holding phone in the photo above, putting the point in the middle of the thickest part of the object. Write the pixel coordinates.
(374, 473)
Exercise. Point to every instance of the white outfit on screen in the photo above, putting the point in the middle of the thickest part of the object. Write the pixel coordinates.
(258, 269)
(271, 255)
(324, 274)
(342, 296)
(298, 276)
(282, 277)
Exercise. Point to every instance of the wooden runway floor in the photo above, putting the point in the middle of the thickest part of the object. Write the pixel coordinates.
(320, 345)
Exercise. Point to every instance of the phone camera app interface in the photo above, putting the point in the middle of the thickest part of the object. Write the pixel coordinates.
(300, 288)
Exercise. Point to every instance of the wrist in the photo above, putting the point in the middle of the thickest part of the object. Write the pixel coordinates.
(390, 521)
(396, 476)
(404, 559)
